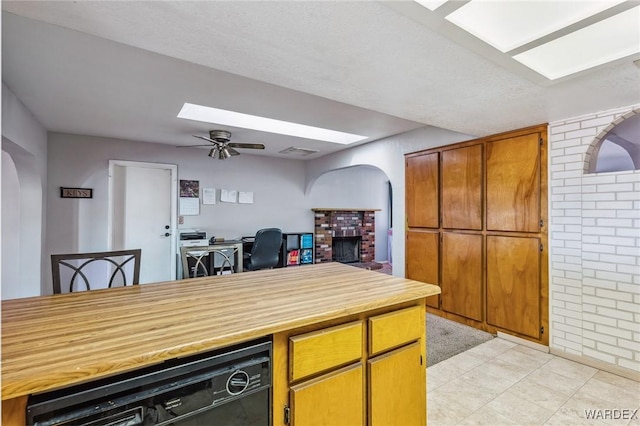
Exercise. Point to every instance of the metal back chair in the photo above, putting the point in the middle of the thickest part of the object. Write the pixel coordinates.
(209, 260)
(95, 270)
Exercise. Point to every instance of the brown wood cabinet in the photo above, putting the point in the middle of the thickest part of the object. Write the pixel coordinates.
(422, 182)
(488, 250)
(513, 184)
(513, 284)
(462, 188)
(424, 264)
(462, 274)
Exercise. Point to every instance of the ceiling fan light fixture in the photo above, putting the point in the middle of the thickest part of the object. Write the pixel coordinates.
(213, 153)
(224, 153)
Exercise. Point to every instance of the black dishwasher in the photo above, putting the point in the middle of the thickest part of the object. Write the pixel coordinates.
(226, 387)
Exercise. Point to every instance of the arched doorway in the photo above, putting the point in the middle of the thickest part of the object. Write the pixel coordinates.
(21, 223)
(358, 187)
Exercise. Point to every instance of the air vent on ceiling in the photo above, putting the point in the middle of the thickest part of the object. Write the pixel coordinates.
(298, 151)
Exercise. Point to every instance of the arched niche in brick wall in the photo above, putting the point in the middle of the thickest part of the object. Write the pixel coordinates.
(616, 148)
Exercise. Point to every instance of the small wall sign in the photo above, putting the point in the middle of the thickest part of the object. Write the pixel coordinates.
(76, 192)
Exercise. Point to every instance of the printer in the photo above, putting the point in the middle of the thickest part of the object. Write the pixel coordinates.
(192, 238)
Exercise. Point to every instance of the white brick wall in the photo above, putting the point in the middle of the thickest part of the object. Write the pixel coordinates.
(594, 235)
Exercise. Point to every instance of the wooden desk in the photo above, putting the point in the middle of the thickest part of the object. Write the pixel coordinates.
(51, 342)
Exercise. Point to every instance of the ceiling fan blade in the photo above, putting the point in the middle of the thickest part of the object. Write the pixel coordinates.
(189, 146)
(204, 138)
(246, 145)
(232, 151)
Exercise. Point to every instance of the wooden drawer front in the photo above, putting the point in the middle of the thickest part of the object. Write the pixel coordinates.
(395, 328)
(320, 350)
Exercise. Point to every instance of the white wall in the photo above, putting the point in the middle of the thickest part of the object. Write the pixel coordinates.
(82, 161)
(595, 248)
(10, 226)
(278, 185)
(24, 146)
(388, 156)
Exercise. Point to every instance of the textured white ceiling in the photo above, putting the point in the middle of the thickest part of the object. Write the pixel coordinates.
(364, 67)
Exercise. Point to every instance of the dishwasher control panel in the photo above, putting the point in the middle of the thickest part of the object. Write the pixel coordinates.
(198, 388)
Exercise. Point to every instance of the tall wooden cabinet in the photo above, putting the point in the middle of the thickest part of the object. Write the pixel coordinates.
(461, 277)
(424, 268)
(422, 177)
(461, 184)
(476, 226)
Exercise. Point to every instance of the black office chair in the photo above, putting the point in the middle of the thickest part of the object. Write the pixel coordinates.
(265, 252)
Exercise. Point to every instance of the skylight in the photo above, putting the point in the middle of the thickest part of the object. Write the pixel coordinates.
(553, 38)
(254, 122)
(607, 40)
(509, 24)
(432, 4)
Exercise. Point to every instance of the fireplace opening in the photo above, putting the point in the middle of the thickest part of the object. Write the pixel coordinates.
(346, 249)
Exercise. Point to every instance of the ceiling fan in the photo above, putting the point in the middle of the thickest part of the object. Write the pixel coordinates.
(223, 148)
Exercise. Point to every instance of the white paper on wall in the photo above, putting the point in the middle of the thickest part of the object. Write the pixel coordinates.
(208, 195)
(228, 195)
(245, 197)
(189, 206)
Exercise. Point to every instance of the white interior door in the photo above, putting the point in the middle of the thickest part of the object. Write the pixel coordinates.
(143, 207)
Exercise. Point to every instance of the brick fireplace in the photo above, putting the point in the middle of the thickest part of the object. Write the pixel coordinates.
(350, 231)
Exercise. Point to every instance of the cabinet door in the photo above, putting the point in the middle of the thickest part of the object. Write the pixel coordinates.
(422, 260)
(462, 188)
(332, 399)
(421, 190)
(397, 388)
(513, 284)
(513, 184)
(462, 274)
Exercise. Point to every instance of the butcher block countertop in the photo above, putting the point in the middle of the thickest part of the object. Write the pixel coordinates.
(51, 342)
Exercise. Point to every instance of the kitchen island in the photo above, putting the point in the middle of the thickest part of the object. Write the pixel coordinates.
(328, 322)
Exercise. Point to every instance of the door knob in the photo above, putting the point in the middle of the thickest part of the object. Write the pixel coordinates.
(166, 234)
(167, 227)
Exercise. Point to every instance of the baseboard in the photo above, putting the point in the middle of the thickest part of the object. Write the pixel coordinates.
(524, 342)
(600, 365)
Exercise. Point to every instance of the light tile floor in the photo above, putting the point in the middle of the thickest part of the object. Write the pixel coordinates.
(503, 383)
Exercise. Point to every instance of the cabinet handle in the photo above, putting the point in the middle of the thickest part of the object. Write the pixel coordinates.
(287, 415)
